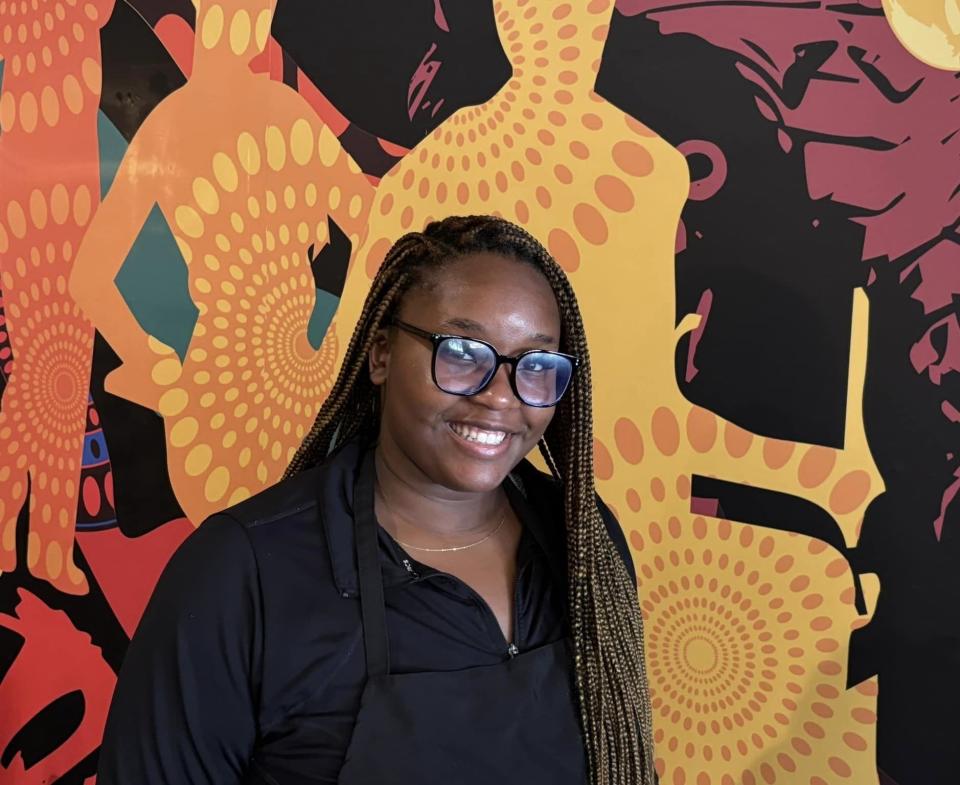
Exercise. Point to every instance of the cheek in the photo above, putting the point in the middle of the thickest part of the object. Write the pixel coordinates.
(538, 420)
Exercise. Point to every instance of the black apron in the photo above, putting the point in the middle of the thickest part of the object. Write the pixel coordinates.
(515, 722)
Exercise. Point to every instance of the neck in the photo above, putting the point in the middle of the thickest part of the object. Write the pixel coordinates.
(408, 501)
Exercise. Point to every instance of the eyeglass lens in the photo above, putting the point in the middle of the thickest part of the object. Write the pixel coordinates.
(464, 367)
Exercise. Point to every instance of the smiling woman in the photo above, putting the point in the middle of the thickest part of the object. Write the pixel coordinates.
(414, 594)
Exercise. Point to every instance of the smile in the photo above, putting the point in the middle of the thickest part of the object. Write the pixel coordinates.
(471, 433)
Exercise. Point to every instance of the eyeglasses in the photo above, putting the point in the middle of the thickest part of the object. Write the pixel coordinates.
(466, 366)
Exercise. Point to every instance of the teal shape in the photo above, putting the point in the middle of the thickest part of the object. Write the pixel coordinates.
(153, 277)
(323, 311)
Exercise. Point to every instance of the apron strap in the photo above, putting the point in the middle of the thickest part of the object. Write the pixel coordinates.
(371, 578)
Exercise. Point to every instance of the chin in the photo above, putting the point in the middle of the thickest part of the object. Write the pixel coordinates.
(473, 479)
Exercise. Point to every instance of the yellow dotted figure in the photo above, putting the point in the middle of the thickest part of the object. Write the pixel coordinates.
(604, 193)
(243, 184)
(47, 113)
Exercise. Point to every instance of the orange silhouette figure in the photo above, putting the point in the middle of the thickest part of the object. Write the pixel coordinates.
(246, 176)
(50, 188)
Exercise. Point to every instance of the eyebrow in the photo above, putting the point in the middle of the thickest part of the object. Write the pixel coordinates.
(471, 326)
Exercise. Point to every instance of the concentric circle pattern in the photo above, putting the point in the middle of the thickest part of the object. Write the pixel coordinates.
(748, 628)
(747, 633)
(246, 395)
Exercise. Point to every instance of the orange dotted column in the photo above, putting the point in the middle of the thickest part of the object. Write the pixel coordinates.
(50, 187)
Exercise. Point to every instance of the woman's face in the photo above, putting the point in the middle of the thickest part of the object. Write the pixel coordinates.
(510, 305)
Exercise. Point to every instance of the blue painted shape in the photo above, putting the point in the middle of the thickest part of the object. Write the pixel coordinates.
(153, 278)
(321, 317)
(94, 449)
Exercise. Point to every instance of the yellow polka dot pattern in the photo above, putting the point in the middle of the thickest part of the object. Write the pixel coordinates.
(251, 384)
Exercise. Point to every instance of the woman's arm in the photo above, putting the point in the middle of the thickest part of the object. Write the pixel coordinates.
(185, 708)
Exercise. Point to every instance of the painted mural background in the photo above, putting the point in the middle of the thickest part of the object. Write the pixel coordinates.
(757, 203)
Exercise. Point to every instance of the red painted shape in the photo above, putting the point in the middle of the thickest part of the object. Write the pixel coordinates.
(177, 37)
(127, 569)
(91, 497)
(55, 659)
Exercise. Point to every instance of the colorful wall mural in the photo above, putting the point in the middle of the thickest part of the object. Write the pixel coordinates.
(757, 203)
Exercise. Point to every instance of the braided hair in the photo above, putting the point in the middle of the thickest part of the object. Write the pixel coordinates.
(605, 618)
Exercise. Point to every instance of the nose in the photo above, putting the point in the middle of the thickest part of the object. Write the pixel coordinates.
(498, 394)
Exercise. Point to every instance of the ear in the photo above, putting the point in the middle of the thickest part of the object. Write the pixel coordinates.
(378, 361)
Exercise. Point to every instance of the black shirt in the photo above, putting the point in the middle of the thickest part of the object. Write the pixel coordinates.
(248, 664)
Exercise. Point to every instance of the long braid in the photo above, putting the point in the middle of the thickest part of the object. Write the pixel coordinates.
(605, 617)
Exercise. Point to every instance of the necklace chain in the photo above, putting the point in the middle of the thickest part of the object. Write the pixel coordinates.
(452, 549)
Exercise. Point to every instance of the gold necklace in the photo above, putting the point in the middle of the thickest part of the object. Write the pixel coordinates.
(446, 550)
(458, 547)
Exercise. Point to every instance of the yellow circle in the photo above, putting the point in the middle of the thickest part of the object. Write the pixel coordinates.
(50, 106)
(81, 205)
(248, 153)
(184, 432)
(167, 371)
(206, 195)
(262, 29)
(239, 495)
(92, 75)
(225, 172)
(240, 32)
(276, 148)
(16, 219)
(329, 146)
(28, 112)
(38, 209)
(54, 560)
(356, 205)
(185, 250)
(72, 94)
(211, 28)
(217, 483)
(197, 460)
(33, 549)
(310, 194)
(334, 197)
(59, 203)
(174, 401)
(301, 141)
(189, 221)
(8, 111)
(928, 29)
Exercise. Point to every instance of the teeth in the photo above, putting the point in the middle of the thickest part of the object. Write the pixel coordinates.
(472, 434)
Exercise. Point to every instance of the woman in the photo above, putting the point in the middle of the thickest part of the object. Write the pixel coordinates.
(414, 602)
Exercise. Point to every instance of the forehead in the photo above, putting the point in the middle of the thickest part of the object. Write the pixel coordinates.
(490, 289)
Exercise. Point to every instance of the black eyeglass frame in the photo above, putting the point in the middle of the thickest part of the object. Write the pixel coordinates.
(500, 359)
